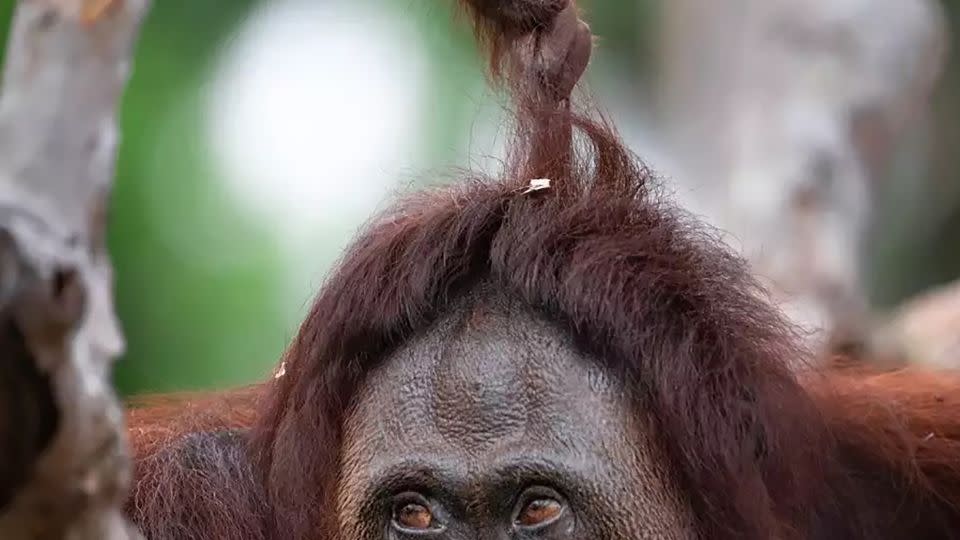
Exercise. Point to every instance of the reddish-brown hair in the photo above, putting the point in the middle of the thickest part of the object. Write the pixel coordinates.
(644, 288)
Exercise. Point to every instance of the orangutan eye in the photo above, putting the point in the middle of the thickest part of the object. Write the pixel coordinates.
(411, 512)
(539, 509)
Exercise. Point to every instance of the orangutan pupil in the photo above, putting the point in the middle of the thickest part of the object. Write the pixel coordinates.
(415, 516)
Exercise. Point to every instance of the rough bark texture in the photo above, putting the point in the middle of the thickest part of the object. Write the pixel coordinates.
(784, 113)
(63, 457)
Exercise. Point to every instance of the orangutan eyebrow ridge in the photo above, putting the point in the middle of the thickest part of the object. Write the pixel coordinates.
(418, 475)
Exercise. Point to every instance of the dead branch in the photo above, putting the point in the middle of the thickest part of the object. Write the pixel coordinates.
(925, 330)
(63, 459)
(784, 114)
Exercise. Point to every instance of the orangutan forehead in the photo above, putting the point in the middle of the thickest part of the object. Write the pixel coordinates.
(489, 379)
(504, 368)
(496, 362)
(493, 362)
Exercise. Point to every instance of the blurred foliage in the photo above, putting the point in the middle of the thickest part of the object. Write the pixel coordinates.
(916, 241)
(191, 325)
(186, 325)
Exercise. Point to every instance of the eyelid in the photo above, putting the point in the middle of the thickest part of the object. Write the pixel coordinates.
(534, 492)
(521, 474)
(414, 476)
(411, 497)
(539, 491)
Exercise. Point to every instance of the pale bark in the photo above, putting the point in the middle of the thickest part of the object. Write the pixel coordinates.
(926, 330)
(64, 465)
(783, 113)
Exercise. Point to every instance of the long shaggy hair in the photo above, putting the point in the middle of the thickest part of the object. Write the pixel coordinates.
(760, 451)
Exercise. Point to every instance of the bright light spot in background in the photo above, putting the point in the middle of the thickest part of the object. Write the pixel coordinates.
(315, 112)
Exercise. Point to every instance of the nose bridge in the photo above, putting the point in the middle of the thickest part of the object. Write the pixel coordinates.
(493, 533)
(483, 516)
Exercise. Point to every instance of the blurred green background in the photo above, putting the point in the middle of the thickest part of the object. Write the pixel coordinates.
(234, 195)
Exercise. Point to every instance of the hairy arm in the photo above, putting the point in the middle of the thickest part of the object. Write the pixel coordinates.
(897, 439)
(192, 469)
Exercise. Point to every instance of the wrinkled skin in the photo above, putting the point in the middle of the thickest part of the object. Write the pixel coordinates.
(488, 411)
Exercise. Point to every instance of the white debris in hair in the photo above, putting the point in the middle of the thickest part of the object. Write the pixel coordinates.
(537, 184)
(282, 371)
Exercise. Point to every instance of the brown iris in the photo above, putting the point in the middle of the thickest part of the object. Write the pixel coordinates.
(539, 512)
(414, 516)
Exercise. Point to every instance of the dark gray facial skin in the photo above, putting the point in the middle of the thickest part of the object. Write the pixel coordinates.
(488, 411)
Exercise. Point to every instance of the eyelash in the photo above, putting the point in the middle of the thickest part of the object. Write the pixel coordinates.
(536, 491)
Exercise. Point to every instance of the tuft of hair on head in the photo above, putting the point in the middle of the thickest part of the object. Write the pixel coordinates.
(499, 24)
(516, 16)
(539, 51)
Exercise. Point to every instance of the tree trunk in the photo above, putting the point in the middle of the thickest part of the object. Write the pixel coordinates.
(784, 113)
(64, 466)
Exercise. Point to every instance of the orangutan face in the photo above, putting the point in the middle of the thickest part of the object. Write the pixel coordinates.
(491, 425)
